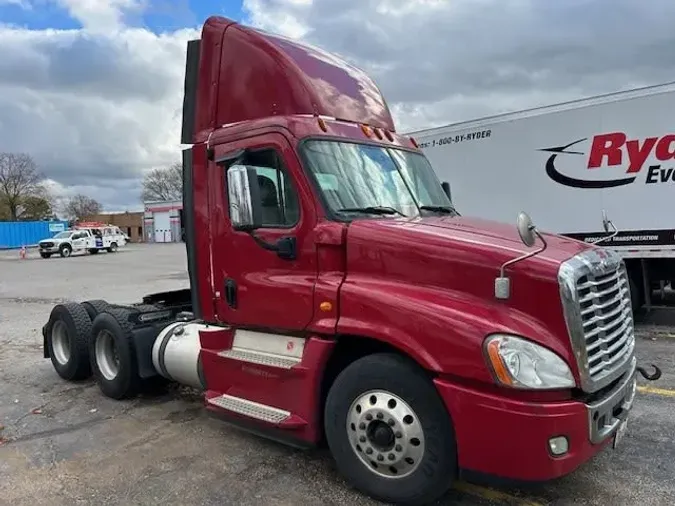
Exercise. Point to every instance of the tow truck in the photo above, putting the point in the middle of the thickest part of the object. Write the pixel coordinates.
(84, 237)
(337, 297)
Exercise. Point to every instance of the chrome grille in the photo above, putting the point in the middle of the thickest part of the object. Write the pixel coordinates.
(596, 303)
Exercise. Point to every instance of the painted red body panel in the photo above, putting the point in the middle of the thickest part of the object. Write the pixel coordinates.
(509, 438)
(297, 390)
(424, 286)
(247, 74)
(436, 301)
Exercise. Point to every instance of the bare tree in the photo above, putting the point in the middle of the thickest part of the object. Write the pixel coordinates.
(164, 184)
(19, 179)
(80, 206)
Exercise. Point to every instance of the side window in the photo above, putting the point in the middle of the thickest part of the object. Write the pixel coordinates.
(278, 200)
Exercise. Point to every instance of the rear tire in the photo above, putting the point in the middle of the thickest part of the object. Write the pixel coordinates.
(112, 248)
(67, 333)
(95, 307)
(406, 452)
(113, 356)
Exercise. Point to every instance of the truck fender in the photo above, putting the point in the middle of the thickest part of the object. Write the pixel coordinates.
(392, 336)
(442, 330)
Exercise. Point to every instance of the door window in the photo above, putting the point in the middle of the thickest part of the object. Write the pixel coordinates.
(278, 199)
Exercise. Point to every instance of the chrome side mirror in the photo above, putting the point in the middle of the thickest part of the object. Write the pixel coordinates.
(526, 229)
(243, 193)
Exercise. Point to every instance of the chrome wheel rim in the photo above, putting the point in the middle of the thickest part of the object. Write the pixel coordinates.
(60, 342)
(107, 358)
(385, 433)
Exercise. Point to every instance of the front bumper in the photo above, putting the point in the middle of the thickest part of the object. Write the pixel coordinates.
(510, 438)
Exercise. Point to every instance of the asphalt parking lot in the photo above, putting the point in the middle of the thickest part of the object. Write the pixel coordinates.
(64, 443)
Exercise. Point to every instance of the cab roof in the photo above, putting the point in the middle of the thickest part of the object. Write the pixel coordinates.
(236, 73)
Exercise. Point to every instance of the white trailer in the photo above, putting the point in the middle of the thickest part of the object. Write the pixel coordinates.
(568, 163)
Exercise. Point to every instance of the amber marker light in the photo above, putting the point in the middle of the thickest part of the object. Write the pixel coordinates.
(325, 306)
(497, 363)
(322, 124)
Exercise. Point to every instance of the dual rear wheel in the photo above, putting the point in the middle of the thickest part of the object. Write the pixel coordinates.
(93, 338)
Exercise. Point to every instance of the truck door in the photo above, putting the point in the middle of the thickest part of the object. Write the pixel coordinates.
(254, 286)
(79, 240)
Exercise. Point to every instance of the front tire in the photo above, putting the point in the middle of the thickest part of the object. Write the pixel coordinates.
(65, 251)
(389, 431)
(112, 354)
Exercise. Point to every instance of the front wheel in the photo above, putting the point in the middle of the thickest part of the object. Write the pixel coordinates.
(112, 248)
(389, 431)
(65, 251)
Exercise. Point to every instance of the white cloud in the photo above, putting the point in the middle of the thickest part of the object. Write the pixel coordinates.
(103, 15)
(440, 61)
(99, 105)
(94, 110)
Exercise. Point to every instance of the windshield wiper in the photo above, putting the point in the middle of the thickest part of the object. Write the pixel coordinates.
(371, 210)
(441, 209)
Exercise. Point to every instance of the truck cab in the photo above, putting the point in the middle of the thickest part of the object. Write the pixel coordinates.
(338, 296)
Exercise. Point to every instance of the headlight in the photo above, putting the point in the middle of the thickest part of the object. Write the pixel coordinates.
(520, 363)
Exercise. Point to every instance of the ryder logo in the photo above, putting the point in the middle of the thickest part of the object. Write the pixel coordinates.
(613, 152)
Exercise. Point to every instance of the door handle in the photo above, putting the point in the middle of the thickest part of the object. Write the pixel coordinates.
(231, 292)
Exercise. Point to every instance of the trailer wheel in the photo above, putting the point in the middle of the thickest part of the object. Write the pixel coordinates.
(389, 431)
(65, 250)
(112, 354)
(67, 333)
(94, 307)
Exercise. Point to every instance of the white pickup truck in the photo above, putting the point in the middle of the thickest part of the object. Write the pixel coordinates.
(82, 240)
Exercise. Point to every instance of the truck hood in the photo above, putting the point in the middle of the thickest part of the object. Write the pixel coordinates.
(499, 236)
(435, 250)
(449, 264)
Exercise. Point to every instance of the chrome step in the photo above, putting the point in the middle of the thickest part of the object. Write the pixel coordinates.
(260, 357)
(250, 408)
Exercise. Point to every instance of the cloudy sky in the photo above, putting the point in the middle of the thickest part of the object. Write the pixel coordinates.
(92, 88)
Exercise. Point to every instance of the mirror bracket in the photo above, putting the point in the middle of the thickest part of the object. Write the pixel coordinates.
(528, 233)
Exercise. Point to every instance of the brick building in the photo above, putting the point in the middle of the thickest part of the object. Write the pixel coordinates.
(129, 223)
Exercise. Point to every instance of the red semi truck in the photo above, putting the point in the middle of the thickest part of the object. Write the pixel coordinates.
(337, 296)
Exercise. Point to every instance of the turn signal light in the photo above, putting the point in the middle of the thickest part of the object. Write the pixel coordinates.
(366, 130)
(322, 124)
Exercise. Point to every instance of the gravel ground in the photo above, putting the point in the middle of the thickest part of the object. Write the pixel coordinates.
(64, 443)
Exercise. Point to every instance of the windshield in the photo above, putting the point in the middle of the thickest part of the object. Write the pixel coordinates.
(62, 235)
(375, 180)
